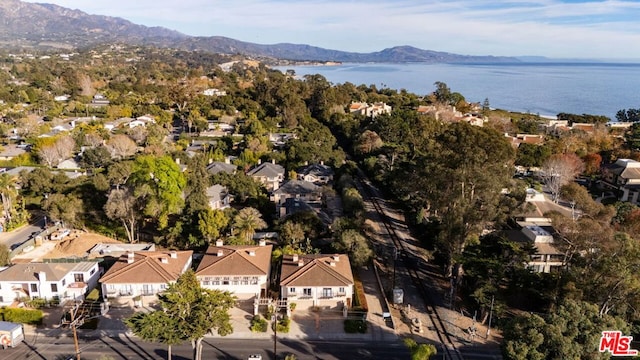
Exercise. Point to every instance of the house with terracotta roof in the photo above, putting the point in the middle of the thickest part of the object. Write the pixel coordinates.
(317, 280)
(269, 174)
(144, 273)
(240, 269)
(49, 281)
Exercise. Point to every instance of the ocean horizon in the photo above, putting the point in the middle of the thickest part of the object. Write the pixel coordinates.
(546, 88)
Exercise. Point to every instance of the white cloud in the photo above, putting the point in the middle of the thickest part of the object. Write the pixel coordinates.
(594, 29)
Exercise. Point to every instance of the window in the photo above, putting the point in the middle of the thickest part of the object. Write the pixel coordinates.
(326, 292)
(306, 291)
(292, 290)
(254, 280)
(93, 271)
(54, 288)
(147, 289)
(1, 299)
(215, 282)
(341, 290)
(225, 281)
(245, 280)
(205, 283)
(163, 286)
(64, 282)
(78, 277)
(34, 287)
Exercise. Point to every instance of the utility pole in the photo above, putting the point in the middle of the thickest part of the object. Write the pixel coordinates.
(74, 324)
(274, 318)
(490, 314)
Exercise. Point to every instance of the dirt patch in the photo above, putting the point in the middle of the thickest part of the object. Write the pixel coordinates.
(77, 244)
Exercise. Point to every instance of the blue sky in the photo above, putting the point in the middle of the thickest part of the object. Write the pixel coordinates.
(592, 29)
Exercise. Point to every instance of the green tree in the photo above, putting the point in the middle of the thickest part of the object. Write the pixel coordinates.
(196, 311)
(420, 351)
(292, 233)
(64, 208)
(211, 223)
(156, 326)
(160, 182)
(247, 221)
(8, 194)
(356, 245)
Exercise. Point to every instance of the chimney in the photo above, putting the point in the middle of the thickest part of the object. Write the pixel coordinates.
(295, 257)
(262, 242)
(227, 160)
(164, 260)
(173, 254)
(178, 161)
(210, 161)
(300, 263)
(333, 264)
(220, 253)
(130, 257)
(219, 242)
(321, 162)
(42, 276)
(273, 161)
(252, 253)
(259, 161)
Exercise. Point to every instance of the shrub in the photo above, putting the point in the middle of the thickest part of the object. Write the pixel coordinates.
(420, 351)
(259, 324)
(353, 326)
(283, 325)
(292, 306)
(23, 316)
(36, 303)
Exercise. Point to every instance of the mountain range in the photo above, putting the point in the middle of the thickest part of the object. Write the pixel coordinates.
(32, 25)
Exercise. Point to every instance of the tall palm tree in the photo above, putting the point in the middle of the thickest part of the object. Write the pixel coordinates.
(247, 222)
(8, 193)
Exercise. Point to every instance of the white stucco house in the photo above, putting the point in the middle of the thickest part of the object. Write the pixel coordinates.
(49, 281)
(144, 274)
(317, 280)
(240, 269)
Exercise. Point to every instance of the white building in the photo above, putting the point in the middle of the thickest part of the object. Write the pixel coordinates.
(49, 281)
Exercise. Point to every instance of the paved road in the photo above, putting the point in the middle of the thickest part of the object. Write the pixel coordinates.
(17, 237)
(131, 348)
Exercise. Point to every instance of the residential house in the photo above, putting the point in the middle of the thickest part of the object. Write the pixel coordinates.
(317, 280)
(50, 281)
(217, 167)
(144, 273)
(547, 258)
(214, 92)
(280, 139)
(99, 100)
(300, 190)
(319, 174)
(11, 151)
(373, 110)
(243, 270)
(268, 174)
(624, 175)
(219, 197)
(61, 98)
(69, 164)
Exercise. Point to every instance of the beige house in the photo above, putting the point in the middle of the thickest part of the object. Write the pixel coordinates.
(624, 175)
(240, 269)
(317, 280)
(144, 273)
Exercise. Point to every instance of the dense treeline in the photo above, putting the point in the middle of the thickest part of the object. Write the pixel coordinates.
(454, 180)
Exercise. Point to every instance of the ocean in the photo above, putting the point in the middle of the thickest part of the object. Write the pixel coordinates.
(538, 88)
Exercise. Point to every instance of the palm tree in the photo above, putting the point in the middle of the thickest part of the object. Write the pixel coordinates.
(8, 193)
(247, 222)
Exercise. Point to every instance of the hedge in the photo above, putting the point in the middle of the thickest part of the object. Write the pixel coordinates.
(23, 316)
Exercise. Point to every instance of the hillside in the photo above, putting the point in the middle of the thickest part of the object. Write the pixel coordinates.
(42, 26)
